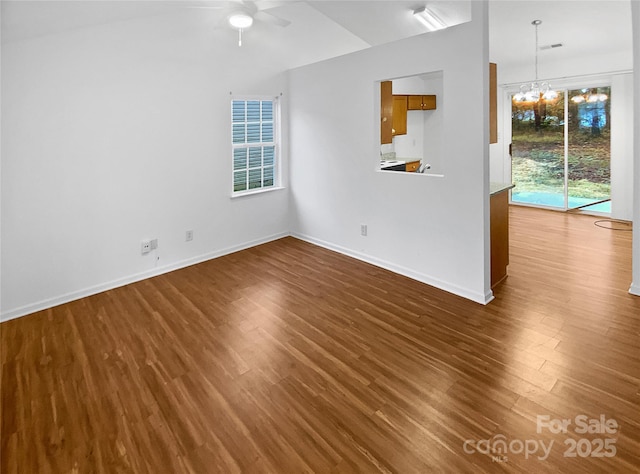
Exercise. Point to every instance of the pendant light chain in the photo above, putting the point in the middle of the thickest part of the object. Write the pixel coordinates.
(535, 91)
(536, 23)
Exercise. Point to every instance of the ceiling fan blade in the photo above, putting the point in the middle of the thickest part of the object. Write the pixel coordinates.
(209, 7)
(218, 5)
(272, 19)
(268, 4)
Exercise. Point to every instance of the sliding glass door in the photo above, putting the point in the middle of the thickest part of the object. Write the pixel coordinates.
(589, 149)
(563, 163)
(538, 152)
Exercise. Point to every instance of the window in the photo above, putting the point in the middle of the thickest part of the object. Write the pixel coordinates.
(254, 144)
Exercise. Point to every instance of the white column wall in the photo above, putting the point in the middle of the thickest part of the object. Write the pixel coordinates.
(635, 285)
(434, 229)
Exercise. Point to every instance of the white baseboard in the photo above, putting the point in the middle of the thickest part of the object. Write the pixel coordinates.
(442, 285)
(634, 289)
(92, 290)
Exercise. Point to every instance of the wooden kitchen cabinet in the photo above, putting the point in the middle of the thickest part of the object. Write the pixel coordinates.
(399, 115)
(499, 224)
(393, 110)
(421, 102)
(412, 166)
(386, 112)
(493, 103)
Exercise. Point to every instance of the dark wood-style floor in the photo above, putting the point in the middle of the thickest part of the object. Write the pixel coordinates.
(289, 358)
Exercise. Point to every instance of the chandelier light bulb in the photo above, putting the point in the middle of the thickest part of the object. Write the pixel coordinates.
(588, 96)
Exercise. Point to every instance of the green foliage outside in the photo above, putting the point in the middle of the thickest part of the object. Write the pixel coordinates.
(538, 151)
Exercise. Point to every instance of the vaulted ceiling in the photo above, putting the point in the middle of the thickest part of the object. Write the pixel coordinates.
(320, 30)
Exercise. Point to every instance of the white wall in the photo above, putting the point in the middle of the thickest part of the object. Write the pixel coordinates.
(434, 152)
(622, 146)
(1, 147)
(567, 68)
(635, 285)
(434, 229)
(118, 133)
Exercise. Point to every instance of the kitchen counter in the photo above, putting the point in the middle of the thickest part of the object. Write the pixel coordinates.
(497, 188)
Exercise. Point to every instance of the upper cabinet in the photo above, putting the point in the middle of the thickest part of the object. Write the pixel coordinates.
(399, 115)
(386, 112)
(393, 110)
(421, 102)
(493, 103)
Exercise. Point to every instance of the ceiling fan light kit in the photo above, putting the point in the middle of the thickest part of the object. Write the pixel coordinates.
(240, 20)
(241, 14)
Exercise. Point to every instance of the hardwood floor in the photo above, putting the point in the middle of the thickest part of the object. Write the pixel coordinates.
(289, 358)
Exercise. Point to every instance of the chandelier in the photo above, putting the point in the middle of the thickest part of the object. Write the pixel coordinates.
(589, 96)
(535, 91)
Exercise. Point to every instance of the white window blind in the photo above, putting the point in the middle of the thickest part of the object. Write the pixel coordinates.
(254, 144)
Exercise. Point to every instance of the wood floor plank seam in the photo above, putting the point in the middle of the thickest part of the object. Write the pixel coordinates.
(288, 357)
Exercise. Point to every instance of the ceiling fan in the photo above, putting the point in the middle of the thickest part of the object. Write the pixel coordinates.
(241, 14)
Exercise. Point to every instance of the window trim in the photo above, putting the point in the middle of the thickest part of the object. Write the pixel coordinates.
(275, 100)
(253, 192)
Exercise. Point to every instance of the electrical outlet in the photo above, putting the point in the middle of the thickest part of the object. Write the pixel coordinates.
(154, 244)
(146, 246)
(363, 230)
(188, 236)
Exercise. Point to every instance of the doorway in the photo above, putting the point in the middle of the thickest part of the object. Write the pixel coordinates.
(561, 151)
